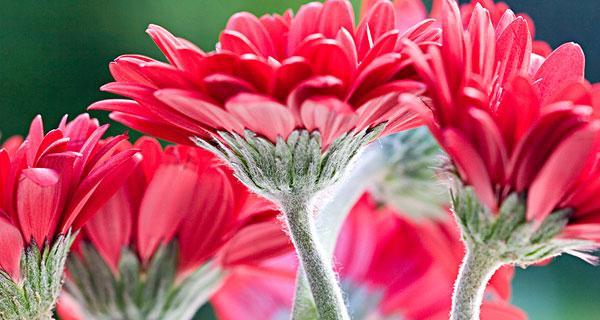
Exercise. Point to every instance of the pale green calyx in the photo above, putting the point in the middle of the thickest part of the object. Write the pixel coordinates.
(137, 292)
(508, 236)
(34, 297)
(503, 238)
(408, 181)
(297, 164)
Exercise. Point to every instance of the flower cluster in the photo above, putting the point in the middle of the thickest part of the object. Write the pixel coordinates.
(266, 126)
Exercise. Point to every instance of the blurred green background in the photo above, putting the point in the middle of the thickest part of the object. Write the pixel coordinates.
(54, 56)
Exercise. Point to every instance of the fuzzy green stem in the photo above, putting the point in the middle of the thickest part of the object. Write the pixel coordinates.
(330, 219)
(475, 272)
(319, 270)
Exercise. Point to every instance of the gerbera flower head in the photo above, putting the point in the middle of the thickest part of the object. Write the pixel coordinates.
(514, 124)
(50, 185)
(314, 71)
(164, 228)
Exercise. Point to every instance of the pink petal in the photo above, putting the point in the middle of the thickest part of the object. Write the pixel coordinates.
(262, 116)
(248, 25)
(38, 198)
(329, 116)
(305, 23)
(237, 42)
(470, 165)
(99, 186)
(110, 228)
(209, 222)
(409, 13)
(268, 239)
(192, 105)
(563, 66)
(238, 299)
(378, 20)
(35, 137)
(11, 248)
(560, 171)
(335, 15)
(513, 50)
(501, 311)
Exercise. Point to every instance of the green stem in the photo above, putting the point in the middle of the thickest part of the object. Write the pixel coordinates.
(330, 219)
(475, 272)
(319, 270)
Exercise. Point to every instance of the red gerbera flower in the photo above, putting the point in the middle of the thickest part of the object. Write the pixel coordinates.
(385, 261)
(180, 204)
(182, 193)
(509, 123)
(520, 130)
(272, 75)
(53, 183)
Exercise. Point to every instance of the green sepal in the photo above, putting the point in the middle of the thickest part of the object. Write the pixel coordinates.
(408, 177)
(136, 291)
(508, 235)
(35, 295)
(293, 165)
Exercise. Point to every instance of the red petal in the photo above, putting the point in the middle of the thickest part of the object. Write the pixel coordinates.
(98, 187)
(195, 107)
(11, 247)
(304, 24)
(250, 27)
(38, 198)
(563, 66)
(561, 169)
(292, 72)
(317, 86)
(262, 116)
(206, 226)
(513, 50)
(152, 155)
(110, 228)
(470, 165)
(335, 15)
(326, 57)
(158, 129)
(329, 116)
(409, 13)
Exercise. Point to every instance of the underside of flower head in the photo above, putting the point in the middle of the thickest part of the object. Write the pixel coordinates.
(164, 240)
(511, 122)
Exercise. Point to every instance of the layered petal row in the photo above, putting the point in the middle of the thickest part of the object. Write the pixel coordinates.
(315, 70)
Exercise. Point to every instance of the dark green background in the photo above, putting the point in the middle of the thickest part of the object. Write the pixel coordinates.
(54, 56)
